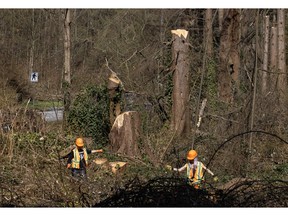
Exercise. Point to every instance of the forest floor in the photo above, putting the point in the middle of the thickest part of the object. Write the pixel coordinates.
(43, 182)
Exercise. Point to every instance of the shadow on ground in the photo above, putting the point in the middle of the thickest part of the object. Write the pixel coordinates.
(174, 192)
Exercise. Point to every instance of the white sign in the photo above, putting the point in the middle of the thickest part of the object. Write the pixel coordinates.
(34, 77)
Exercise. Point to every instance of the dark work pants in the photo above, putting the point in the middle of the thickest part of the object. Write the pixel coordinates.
(79, 173)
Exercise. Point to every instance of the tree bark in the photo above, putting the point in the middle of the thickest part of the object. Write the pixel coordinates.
(115, 95)
(255, 82)
(220, 19)
(224, 78)
(264, 75)
(234, 52)
(208, 33)
(229, 55)
(67, 47)
(66, 84)
(282, 77)
(125, 134)
(181, 61)
(31, 57)
(273, 58)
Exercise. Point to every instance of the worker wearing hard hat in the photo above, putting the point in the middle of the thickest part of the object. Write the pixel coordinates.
(78, 159)
(195, 170)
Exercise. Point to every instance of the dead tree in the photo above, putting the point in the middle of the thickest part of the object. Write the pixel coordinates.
(125, 134)
(181, 62)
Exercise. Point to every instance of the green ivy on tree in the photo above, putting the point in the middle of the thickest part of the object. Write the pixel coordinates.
(89, 114)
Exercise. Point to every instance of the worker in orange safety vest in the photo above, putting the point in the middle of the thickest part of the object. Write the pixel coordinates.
(194, 170)
(78, 159)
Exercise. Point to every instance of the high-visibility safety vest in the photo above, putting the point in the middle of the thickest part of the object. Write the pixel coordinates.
(198, 175)
(76, 158)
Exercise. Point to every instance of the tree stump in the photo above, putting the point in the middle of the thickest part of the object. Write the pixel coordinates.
(125, 134)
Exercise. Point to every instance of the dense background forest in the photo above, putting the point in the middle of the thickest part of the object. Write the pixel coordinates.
(236, 83)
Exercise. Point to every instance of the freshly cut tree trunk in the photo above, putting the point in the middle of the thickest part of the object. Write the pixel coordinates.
(264, 75)
(125, 134)
(181, 61)
(115, 95)
(273, 58)
(117, 166)
(282, 77)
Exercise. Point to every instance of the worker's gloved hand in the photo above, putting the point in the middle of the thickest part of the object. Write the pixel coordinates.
(68, 166)
(215, 179)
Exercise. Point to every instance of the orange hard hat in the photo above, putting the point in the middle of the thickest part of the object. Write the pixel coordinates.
(79, 142)
(191, 155)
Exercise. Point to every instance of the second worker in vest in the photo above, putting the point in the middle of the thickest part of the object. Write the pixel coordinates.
(194, 169)
(78, 159)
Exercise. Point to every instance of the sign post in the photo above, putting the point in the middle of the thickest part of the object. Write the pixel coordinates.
(34, 77)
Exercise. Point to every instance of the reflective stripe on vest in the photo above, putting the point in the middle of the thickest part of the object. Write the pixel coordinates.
(198, 176)
(76, 158)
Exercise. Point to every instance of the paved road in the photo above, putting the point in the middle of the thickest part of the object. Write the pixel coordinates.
(53, 115)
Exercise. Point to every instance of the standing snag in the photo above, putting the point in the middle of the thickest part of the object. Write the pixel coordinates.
(115, 94)
(180, 109)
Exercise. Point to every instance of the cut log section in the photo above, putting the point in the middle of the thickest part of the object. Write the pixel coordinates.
(100, 161)
(125, 134)
(117, 166)
(66, 151)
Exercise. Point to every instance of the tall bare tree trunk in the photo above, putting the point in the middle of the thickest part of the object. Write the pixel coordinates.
(234, 52)
(229, 55)
(282, 77)
(180, 109)
(220, 18)
(208, 33)
(255, 82)
(31, 57)
(273, 58)
(224, 78)
(66, 84)
(264, 75)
